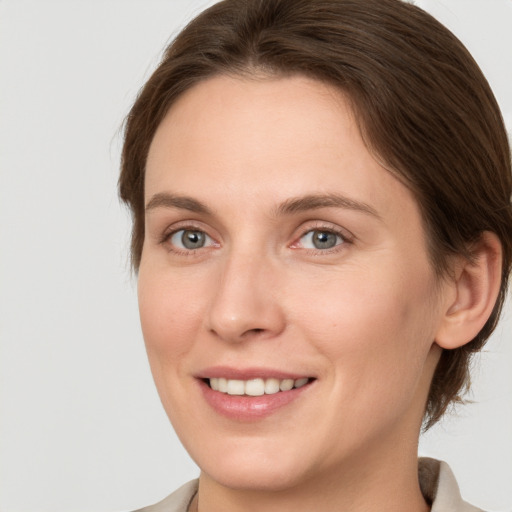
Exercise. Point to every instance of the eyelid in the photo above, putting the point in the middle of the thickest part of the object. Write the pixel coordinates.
(305, 228)
(344, 234)
(207, 238)
(186, 226)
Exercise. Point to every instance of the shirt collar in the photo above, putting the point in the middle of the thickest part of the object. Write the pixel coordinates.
(440, 488)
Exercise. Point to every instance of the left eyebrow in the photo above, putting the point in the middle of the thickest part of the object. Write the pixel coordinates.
(317, 201)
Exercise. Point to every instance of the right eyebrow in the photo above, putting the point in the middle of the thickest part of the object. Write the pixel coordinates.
(166, 200)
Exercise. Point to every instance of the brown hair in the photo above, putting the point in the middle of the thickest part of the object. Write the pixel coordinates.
(423, 106)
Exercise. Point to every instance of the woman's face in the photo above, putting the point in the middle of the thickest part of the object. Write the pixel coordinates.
(279, 253)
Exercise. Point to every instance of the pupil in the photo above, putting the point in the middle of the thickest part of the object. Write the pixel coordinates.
(193, 239)
(324, 240)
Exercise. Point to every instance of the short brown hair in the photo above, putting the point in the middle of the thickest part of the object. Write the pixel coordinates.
(423, 106)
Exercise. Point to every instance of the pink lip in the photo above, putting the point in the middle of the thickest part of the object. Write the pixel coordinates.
(247, 373)
(248, 408)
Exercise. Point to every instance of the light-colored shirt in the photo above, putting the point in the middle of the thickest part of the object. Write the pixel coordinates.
(437, 483)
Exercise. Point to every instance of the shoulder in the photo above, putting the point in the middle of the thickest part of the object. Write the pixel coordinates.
(439, 487)
(178, 501)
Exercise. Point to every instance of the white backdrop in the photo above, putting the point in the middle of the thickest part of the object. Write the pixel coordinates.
(81, 426)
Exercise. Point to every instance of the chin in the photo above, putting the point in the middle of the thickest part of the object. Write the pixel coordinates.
(249, 478)
(253, 468)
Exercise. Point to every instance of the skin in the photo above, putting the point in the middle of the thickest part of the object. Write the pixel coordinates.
(360, 317)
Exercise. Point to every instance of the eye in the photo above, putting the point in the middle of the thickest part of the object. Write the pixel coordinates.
(321, 239)
(190, 239)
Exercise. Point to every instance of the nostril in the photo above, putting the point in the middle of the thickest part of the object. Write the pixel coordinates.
(250, 332)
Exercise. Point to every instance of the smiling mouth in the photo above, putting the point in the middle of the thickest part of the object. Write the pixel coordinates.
(255, 387)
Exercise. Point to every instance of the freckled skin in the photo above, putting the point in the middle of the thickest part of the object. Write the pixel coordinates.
(360, 317)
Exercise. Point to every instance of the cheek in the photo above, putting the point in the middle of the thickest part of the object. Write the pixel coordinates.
(170, 310)
(361, 304)
(374, 327)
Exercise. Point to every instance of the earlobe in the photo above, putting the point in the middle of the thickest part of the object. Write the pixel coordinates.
(474, 291)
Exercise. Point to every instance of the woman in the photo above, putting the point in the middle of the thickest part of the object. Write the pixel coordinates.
(322, 231)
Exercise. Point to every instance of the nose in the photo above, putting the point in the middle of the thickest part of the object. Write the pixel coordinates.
(245, 304)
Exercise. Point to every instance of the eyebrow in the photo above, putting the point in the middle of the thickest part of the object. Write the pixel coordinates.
(317, 201)
(288, 207)
(165, 200)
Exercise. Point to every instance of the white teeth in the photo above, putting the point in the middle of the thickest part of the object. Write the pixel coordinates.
(286, 385)
(236, 387)
(223, 385)
(301, 382)
(255, 387)
(271, 386)
(214, 384)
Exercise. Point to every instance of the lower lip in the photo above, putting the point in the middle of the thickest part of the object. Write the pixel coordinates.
(249, 408)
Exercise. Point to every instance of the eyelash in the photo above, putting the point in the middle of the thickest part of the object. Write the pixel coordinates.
(167, 236)
(323, 228)
(345, 239)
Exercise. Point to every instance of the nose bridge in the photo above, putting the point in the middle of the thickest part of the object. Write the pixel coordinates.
(244, 302)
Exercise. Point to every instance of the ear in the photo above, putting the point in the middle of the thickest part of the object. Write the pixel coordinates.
(472, 293)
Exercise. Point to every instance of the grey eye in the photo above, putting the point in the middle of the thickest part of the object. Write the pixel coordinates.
(190, 239)
(318, 239)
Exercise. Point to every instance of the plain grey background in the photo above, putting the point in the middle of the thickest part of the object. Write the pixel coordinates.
(81, 426)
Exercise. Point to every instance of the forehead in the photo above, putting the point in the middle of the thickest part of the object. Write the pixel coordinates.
(257, 141)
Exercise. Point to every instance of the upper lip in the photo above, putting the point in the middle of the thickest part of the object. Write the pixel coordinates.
(231, 373)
